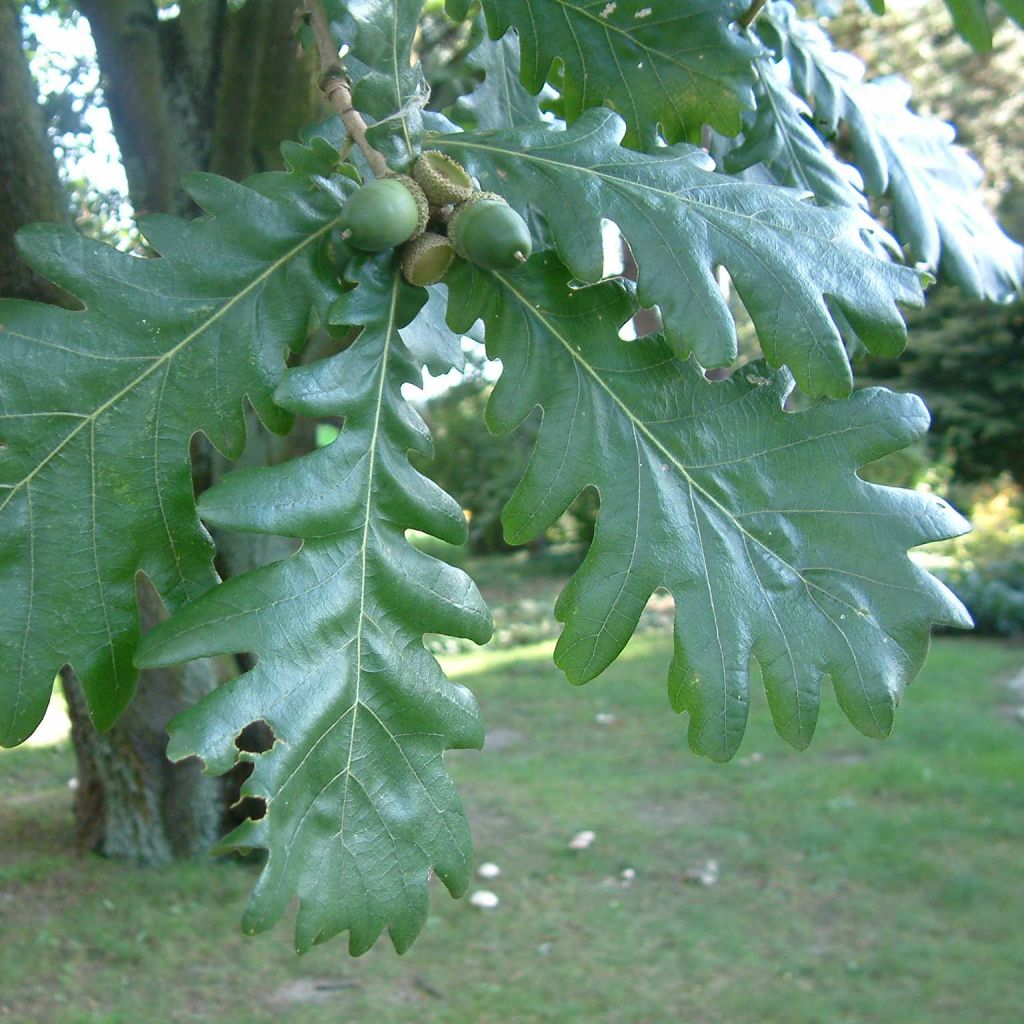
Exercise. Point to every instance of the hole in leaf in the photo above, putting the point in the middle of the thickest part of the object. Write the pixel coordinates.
(252, 807)
(646, 320)
(255, 738)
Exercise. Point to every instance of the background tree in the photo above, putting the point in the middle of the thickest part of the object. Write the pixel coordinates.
(967, 361)
(480, 468)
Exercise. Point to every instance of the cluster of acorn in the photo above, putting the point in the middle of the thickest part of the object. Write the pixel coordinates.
(478, 226)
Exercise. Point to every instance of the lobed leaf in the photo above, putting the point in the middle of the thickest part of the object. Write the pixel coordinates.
(931, 183)
(98, 407)
(780, 135)
(804, 272)
(500, 101)
(359, 807)
(667, 68)
(754, 519)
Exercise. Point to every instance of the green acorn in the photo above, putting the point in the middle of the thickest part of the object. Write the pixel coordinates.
(384, 213)
(425, 260)
(443, 180)
(488, 232)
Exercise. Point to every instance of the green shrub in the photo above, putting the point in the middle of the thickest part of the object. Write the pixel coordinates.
(985, 568)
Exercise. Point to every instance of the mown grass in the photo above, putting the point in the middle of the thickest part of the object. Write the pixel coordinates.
(858, 881)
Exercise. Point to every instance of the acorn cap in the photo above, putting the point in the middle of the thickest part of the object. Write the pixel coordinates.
(443, 179)
(422, 206)
(425, 260)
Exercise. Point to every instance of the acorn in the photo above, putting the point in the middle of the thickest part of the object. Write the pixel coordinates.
(443, 180)
(385, 213)
(488, 232)
(425, 260)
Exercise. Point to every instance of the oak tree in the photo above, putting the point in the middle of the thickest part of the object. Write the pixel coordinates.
(729, 143)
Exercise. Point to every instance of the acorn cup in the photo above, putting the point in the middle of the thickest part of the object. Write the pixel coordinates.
(488, 232)
(384, 213)
(425, 260)
(444, 181)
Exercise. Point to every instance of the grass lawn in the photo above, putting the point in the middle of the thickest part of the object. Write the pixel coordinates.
(858, 881)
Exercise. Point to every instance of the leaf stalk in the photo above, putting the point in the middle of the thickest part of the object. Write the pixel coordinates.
(746, 19)
(337, 88)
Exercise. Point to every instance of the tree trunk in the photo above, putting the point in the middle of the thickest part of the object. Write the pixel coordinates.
(29, 187)
(213, 89)
(133, 804)
(158, 132)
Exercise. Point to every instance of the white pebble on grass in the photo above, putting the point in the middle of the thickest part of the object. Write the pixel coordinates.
(705, 874)
(582, 840)
(484, 899)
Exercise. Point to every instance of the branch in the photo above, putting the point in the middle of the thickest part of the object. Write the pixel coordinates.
(334, 83)
(747, 18)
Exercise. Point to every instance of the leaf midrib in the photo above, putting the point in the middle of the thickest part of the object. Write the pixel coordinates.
(365, 543)
(624, 184)
(639, 426)
(762, 71)
(90, 419)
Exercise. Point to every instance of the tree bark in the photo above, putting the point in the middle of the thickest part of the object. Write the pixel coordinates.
(213, 89)
(30, 189)
(133, 804)
(158, 130)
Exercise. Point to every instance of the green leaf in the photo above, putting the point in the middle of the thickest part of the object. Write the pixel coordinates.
(779, 135)
(318, 152)
(97, 409)
(800, 269)
(932, 184)
(971, 22)
(754, 519)
(971, 19)
(664, 70)
(359, 807)
(500, 101)
(427, 338)
(1014, 9)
